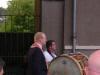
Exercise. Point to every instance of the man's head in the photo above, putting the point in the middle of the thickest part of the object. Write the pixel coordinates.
(51, 45)
(40, 37)
(94, 63)
(1, 66)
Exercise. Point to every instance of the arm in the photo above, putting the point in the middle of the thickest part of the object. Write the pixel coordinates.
(38, 62)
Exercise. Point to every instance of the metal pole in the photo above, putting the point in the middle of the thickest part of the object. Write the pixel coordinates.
(74, 27)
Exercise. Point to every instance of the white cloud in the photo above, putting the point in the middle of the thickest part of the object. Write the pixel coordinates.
(3, 3)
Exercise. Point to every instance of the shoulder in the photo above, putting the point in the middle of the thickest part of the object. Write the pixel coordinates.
(45, 52)
(48, 57)
(34, 50)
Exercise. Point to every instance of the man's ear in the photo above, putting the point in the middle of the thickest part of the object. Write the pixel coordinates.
(86, 70)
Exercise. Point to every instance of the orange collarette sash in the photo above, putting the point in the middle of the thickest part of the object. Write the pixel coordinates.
(35, 44)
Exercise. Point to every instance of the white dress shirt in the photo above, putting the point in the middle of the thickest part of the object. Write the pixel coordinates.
(48, 56)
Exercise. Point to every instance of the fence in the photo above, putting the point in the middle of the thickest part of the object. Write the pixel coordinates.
(15, 40)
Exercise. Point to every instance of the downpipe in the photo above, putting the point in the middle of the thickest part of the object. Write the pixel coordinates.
(74, 27)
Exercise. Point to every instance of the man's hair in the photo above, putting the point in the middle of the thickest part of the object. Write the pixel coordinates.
(38, 36)
(1, 63)
(49, 43)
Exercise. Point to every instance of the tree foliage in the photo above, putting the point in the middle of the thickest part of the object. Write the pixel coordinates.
(21, 16)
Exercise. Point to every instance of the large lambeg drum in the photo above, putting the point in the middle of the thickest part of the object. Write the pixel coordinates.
(68, 64)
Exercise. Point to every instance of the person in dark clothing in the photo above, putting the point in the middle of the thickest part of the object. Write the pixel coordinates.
(36, 64)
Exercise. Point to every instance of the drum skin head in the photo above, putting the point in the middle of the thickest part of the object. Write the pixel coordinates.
(64, 65)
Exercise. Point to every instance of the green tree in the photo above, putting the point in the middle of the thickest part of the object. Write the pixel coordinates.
(23, 16)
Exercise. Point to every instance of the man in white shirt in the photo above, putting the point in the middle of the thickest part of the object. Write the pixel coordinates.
(49, 53)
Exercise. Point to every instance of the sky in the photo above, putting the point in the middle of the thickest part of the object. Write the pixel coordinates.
(3, 3)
